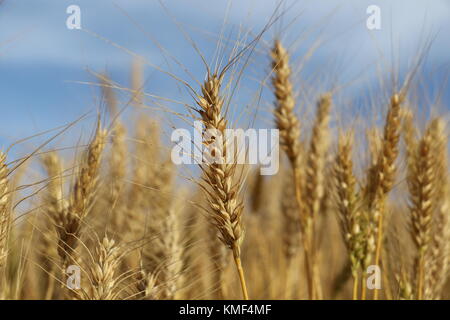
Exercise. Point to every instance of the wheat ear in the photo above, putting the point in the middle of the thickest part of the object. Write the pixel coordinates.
(422, 184)
(288, 125)
(118, 170)
(314, 176)
(220, 260)
(68, 220)
(291, 230)
(347, 206)
(285, 118)
(103, 276)
(5, 218)
(291, 220)
(438, 262)
(55, 203)
(222, 191)
(382, 176)
(174, 251)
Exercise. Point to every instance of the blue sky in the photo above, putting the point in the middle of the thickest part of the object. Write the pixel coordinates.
(41, 60)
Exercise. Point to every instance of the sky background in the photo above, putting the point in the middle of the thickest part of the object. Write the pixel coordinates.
(41, 60)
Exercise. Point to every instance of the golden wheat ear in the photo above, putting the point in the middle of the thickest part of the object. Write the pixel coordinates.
(5, 217)
(103, 272)
(118, 161)
(315, 180)
(285, 118)
(69, 218)
(222, 190)
(381, 178)
(426, 191)
(288, 125)
(438, 261)
(347, 205)
(54, 204)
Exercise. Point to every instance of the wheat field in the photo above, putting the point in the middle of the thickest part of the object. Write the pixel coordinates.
(359, 208)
